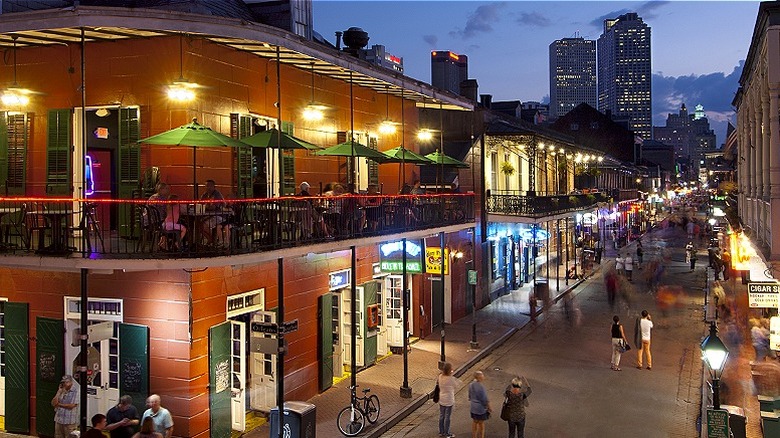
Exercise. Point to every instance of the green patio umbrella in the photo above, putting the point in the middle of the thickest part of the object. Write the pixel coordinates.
(445, 160)
(355, 149)
(196, 135)
(270, 139)
(401, 154)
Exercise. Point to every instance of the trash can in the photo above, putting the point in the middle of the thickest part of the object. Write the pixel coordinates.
(736, 420)
(300, 420)
(542, 291)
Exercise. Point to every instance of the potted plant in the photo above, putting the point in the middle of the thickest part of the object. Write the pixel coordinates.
(507, 168)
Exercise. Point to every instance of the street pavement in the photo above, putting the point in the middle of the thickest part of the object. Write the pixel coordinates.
(575, 393)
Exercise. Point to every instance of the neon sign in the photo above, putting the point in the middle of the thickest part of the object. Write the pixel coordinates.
(89, 177)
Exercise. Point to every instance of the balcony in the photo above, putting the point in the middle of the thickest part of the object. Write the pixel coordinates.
(108, 229)
(539, 206)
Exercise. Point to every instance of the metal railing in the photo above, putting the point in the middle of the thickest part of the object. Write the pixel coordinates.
(138, 228)
(540, 206)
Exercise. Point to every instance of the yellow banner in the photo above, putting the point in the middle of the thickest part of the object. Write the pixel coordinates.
(433, 260)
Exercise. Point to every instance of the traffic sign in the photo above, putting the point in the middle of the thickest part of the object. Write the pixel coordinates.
(289, 326)
(269, 328)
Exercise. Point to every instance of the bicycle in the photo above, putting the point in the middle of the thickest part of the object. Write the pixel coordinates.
(352, 419)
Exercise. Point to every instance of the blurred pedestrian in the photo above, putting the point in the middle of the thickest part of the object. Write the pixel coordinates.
(619, 264)
(628, 265)
(447, 386)
(515, 402)
(610, 283)
(693, 258)
(480, 405)
(640, 252)
(644, 327)
(618, 341)
(759, 335)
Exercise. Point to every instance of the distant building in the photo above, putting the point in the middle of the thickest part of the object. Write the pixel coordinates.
(572, 75)
(535, 112)
(379, 56)
(624, 72)
(448, 70)
(689, 134)
(597, 131)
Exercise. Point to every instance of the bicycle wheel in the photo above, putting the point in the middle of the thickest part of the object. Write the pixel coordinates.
(351, 421)
(372, 409)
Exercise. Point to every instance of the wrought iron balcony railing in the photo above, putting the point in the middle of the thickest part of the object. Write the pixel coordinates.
(540, 206)
(138, 229)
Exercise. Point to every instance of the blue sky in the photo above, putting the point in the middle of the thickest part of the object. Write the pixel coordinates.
(698, 46)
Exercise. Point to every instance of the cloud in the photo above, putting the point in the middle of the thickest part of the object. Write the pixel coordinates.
(714, 91)
(480, 21)
(646, 11)
(533, 19)
(432, 40)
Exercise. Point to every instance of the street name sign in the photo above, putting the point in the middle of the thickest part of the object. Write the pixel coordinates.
(289, 327)
(269, 328)
(717, 423)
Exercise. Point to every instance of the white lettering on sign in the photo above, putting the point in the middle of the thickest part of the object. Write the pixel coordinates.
(763, 300)
(774, 333)
(763, 288)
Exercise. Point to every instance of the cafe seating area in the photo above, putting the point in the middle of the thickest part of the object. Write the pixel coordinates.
(136, 229)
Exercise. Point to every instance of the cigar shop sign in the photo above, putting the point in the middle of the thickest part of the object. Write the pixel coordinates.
(763, 295)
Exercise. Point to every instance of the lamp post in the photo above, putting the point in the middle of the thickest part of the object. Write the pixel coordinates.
(714, 354)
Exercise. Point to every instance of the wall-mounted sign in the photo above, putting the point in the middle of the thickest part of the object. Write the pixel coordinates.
(391, 257)
(763, 295)
(340, 279)
(774, 333)
(433, 260)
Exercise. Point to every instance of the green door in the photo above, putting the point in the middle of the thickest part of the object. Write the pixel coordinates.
(129, 165)
(219, 380)
(49, 370)
(134, 362)
(369, 298)
(17, 368)
(325, 348)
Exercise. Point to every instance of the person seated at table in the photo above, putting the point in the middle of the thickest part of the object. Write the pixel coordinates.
(333, 214)
(408, 216)
(214, 221)
(416, 189)
(373, 207)
(354, 217)
(171, 223)
(162, 193)
(312, 222)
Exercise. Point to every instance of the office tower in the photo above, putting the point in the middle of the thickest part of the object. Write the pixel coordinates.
(624, 74)
(572, 75)
(448, 70)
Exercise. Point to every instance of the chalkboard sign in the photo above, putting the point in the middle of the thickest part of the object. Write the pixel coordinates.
(221, 376)
(47, 367)
(132, 377)
(717, 423)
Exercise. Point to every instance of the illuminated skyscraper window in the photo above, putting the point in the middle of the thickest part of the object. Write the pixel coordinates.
(572, 75)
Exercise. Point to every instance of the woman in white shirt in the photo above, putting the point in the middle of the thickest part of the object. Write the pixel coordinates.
(447, 386)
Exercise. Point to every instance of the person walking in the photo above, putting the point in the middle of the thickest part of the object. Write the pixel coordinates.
(611, 283)
(480, 405)
(448, 384)
(628, 265)
(645, 326)
(640, 252)
(693, 259)
(515, 402)
(66, 403)
(618, 340)
(163, 422)
(122, 418)
(619, 264)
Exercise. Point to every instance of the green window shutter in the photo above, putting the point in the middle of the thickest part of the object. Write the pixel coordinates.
(288, 164)
(3, 151)
(17, 368)
(241, 127)
(325, 347)
(129, 162)
(219, 380)
(373, 166)
(18, 132)
(49, 360)
(134, 362)
(58, 153)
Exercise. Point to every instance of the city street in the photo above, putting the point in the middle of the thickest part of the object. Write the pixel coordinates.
(575, 393)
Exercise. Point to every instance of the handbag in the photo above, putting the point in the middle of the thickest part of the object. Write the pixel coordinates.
(623, 346)
(436, 392)
(505, 410)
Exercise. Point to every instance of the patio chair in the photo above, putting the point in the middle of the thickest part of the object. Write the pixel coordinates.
(34, 221)
(13, 225)
(89, 225)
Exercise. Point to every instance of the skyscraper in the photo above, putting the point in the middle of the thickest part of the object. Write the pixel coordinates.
(448, 70)
(624, 74)
(572, 75)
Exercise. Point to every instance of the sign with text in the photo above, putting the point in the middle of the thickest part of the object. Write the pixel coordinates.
(433, 260)
(340, 279)
(763, 295)
(717, 423)
(289, 327)
(774, 333)
(268, 328)
(391, 257)
(472, 277)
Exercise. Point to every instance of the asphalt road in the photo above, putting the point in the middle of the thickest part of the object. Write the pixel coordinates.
(567, 362)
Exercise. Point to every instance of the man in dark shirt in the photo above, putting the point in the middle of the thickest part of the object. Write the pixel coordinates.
(122, 418)
(98, 425)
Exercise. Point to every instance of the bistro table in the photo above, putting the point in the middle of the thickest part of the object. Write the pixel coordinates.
(194, 221)
(56, 221)
(4, 243)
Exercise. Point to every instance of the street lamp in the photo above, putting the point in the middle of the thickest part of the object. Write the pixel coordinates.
(714, 354)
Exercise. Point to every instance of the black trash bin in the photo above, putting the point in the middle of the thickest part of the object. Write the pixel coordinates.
(300, 420)
(542, 291)
(736, 420)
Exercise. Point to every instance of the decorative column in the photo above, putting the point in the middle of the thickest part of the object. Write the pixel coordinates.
(765, 140)
(774, 168)
(532, 167)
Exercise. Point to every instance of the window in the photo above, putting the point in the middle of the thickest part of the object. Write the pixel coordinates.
(574, 127)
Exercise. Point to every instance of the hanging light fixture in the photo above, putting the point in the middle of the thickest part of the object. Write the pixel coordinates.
(425, 135)
(313, 111)
(182, 90)
(15, 95)
(387, 127)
